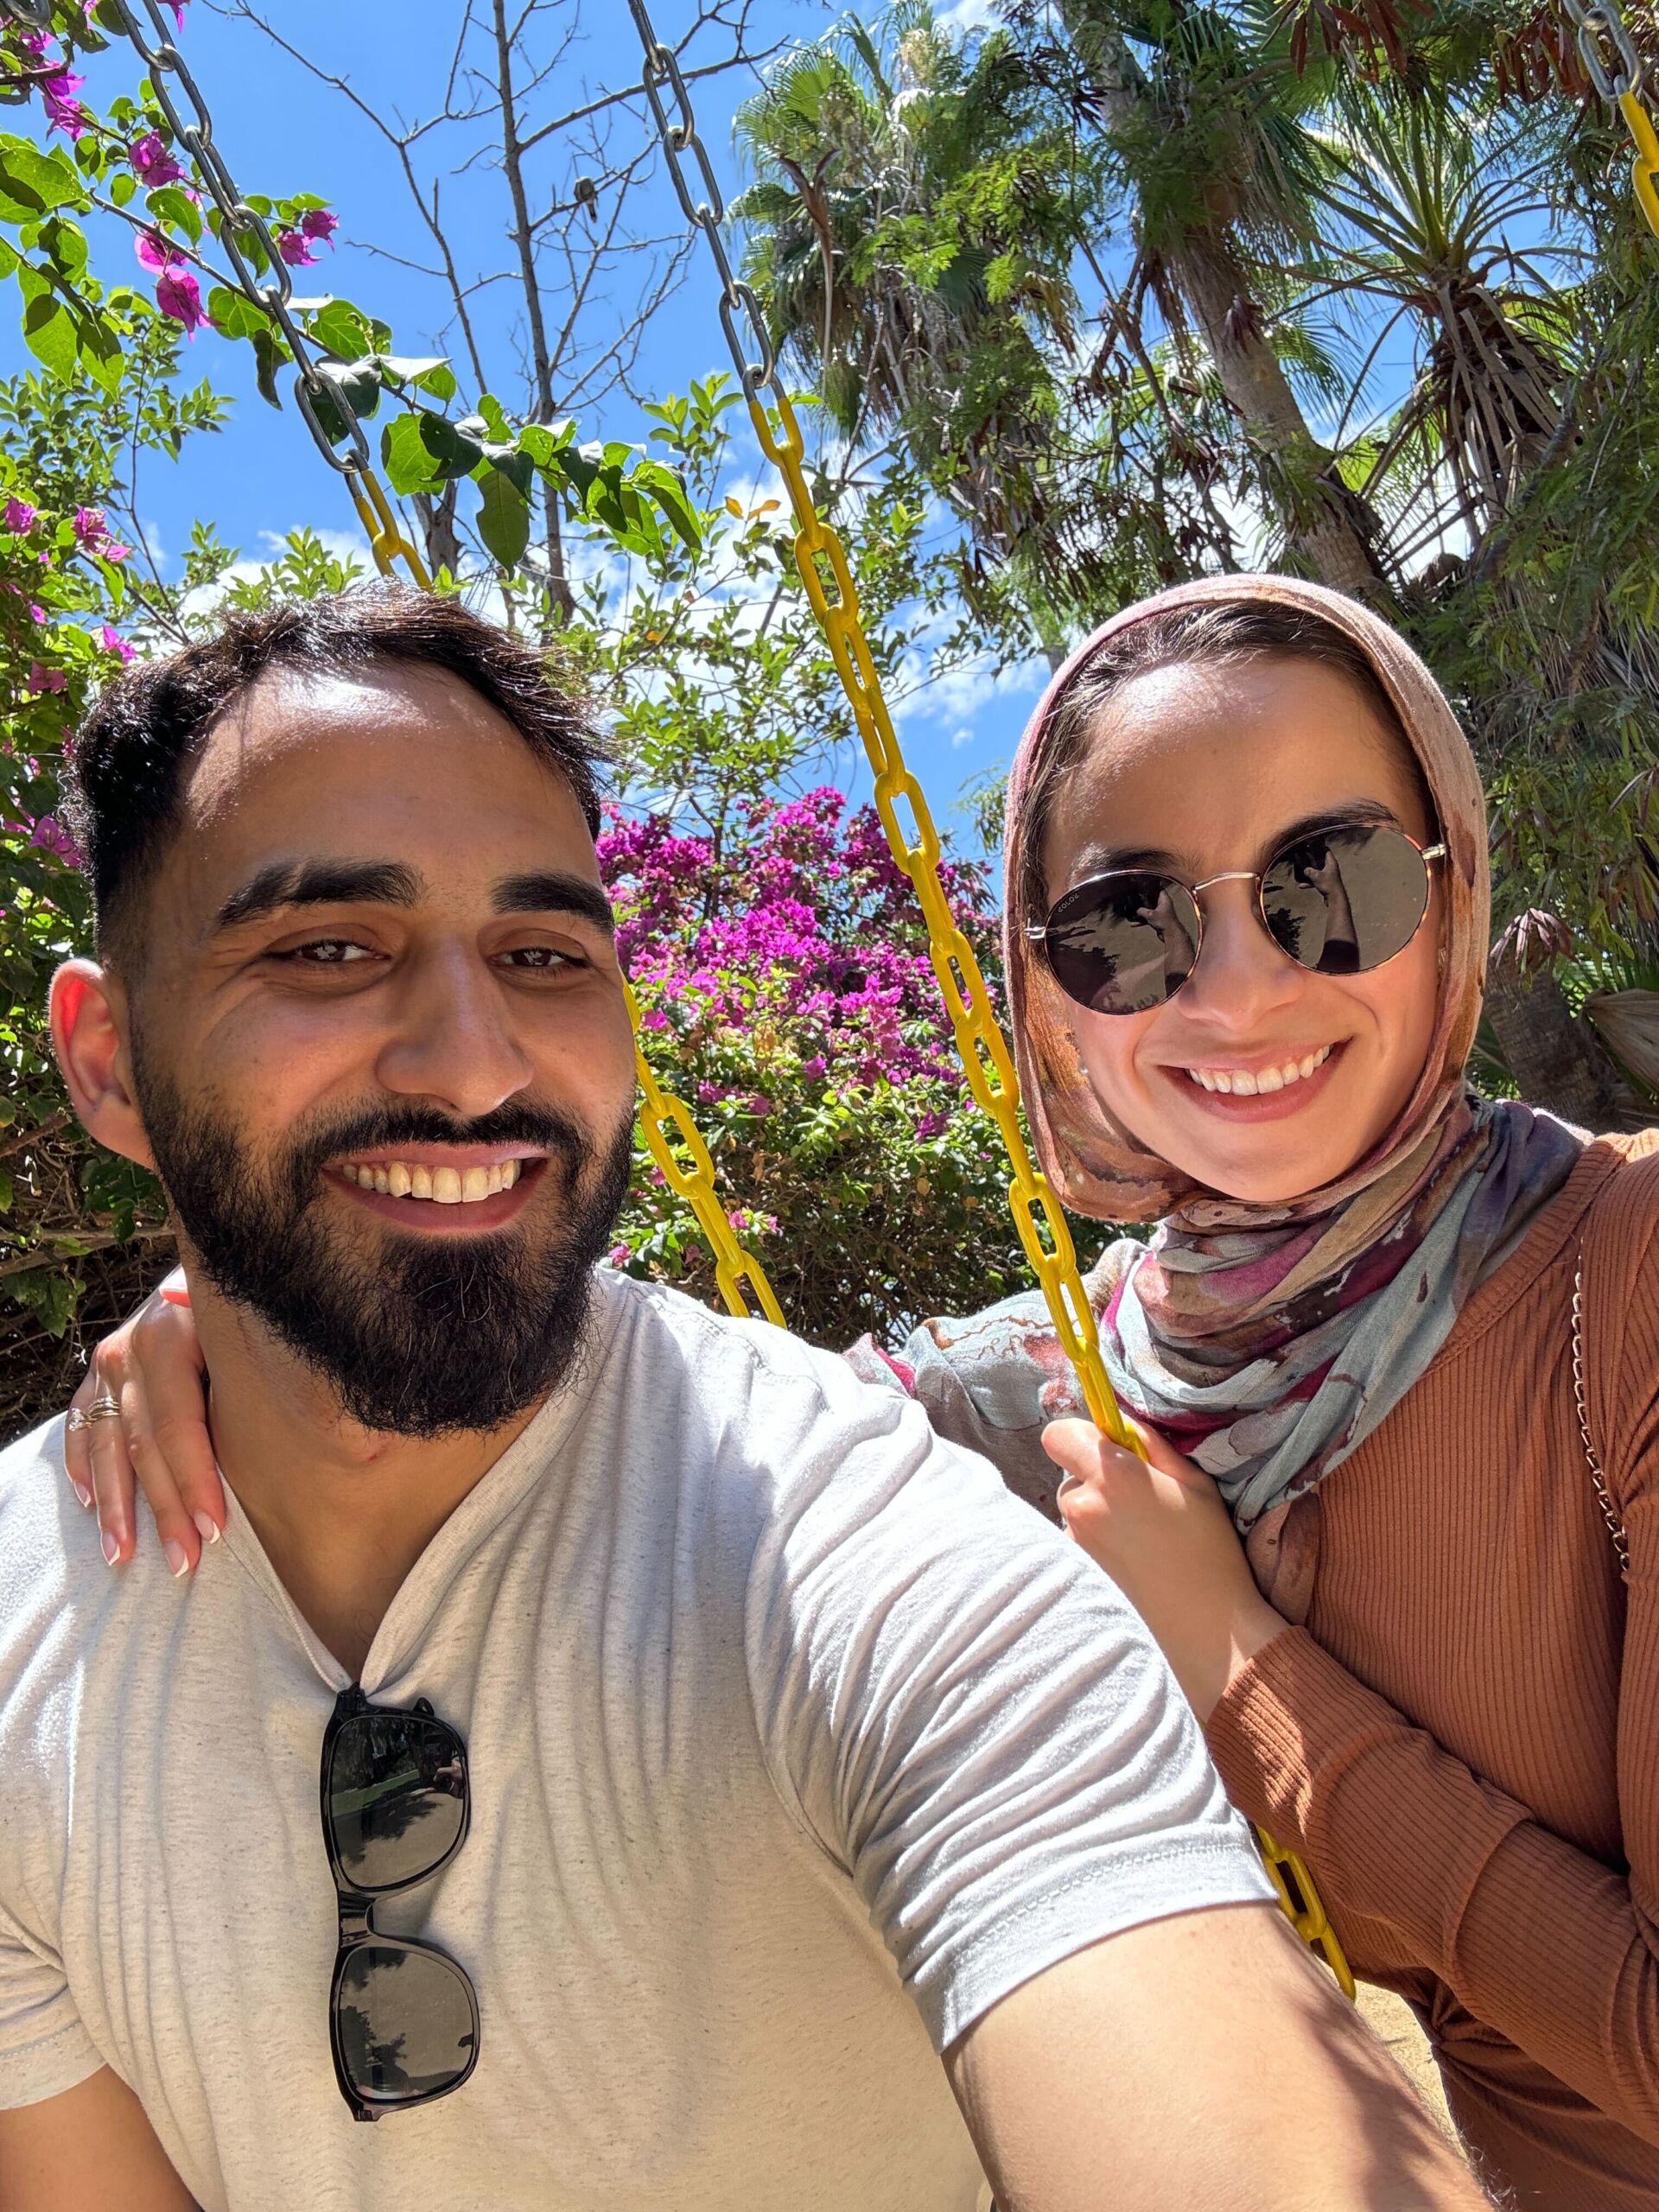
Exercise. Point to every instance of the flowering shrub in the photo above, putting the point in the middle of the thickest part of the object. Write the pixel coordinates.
(786, 994)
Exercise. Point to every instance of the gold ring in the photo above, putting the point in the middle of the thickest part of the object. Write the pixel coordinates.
(102, 1407)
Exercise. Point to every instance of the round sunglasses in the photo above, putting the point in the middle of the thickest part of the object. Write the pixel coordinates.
(1339, 901)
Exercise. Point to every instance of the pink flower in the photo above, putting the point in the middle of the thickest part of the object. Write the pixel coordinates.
(49, 833)
(618, 1255)
(46, 679)
(92, 534)
(18, 515)
(66, 113)
(317, 223)
(152, 162)
(178, 294)
(113, 642)
(156, 251)
(296, 249)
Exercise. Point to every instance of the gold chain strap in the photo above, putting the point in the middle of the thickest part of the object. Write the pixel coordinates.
(1603, 1496)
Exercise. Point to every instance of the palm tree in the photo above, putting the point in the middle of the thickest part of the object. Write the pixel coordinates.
(910, 232)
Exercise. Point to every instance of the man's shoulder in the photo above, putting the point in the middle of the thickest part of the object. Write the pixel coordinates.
(709, 1353)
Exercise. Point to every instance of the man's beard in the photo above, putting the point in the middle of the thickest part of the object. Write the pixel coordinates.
(415, 1334)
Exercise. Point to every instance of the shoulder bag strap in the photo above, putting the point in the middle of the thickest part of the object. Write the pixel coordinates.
(1603, 1496)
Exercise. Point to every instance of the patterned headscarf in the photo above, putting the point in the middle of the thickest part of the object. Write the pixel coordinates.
(1266, 1340)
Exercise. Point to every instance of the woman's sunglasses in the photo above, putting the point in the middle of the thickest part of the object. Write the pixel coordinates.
(1339, 901)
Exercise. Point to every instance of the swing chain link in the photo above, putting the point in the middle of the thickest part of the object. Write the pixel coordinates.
(241, 226)
(1616, 68)
(671, 1132)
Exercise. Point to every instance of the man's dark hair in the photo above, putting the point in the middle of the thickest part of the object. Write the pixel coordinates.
(154, 719)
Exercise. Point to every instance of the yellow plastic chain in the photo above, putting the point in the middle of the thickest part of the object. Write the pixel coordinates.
(987, 1062)
(1615, 68)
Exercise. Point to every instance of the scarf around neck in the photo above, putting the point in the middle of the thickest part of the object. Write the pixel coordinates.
(1266, 1341)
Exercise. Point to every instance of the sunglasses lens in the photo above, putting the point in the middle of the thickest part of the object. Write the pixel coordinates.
(395, 1795)
(404, 2020)
(1346, 900)
(1124, 942)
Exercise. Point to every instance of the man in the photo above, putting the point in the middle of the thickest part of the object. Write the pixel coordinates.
(696, 1738)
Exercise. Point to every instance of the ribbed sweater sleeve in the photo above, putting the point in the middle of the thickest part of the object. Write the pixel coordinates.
(1557, 1951)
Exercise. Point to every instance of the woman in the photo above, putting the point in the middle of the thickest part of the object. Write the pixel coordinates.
(1247, 922)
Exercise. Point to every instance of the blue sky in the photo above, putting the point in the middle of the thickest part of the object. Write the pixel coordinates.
(280, 130)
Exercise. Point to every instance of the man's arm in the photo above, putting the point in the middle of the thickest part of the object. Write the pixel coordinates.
(89, 2150)
(1202, 2063)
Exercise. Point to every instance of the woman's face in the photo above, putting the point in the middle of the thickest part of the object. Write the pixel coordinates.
(1201, 771)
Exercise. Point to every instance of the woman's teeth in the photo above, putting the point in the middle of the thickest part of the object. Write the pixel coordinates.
(447, 1186)
(1240, 1084)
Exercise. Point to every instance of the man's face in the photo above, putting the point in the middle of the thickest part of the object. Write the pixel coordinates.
(380, 1044)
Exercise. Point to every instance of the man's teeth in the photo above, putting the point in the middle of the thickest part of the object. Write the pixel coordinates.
(1240, 1084)
(448, 1186)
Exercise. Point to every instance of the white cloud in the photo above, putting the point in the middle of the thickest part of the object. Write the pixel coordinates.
(966, 15)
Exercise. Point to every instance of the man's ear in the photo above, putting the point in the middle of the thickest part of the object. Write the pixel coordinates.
(89, 1023)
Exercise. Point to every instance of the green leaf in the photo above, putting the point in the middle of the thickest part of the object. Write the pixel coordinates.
(64, 245)
(406, 458)
(171, 206)
(235, 314)
(665, 490)
(503, 518)
(48, 326)
(545, 446)
(495, 420)
(455, 447)
(122, 187)
(268, 355)
(357, 384)
(344, 330)
(429, 373)
(100, 353)
(33, 184)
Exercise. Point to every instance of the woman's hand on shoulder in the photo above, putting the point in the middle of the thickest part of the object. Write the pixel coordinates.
(1160, 1529)
(152, 1367)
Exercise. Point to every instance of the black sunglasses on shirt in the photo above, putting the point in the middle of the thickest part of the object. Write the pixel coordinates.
(1339, 901)
(403, 2017)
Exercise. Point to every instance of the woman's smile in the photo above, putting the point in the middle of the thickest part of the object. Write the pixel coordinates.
(1259, 1087)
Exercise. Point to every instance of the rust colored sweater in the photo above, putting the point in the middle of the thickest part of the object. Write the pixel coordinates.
(1462, 1735)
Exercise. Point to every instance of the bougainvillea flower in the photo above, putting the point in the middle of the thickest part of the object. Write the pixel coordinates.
(153, 164)
(49, 833)
(156, 251)
(46, 679)
(92, 534)
(113, 642)
(296, 249)
(18, 515)
(58, 92)
(179, 295)
(317, 223)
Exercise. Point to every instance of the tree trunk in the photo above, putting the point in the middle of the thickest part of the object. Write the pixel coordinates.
(1555, 1061)
(1212, 282)
(1211, 276)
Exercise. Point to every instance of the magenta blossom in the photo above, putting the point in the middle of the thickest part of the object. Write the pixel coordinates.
(18, 515)
(179, 295)
(156, 251)
(113, 642)
(152, 162)
(46, 679)
(296, 249)
(65, 111)
(49, 833)
(317, 223)
(93, 535)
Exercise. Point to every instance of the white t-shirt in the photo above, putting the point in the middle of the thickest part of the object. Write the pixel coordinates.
(795, 1743)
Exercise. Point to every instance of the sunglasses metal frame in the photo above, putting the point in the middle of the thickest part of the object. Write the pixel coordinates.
(1039, 932)
(355, 1907)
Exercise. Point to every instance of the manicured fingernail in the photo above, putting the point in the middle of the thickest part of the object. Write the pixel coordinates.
(111, 1546)
(178, 1560)
(208, 1526)
(82, 1493)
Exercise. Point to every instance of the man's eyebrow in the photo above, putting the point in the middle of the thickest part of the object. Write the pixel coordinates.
(320, 883)
(1101, 859)
(543, 891)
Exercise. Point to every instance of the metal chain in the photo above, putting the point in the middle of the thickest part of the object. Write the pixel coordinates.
(1619, 74)
(243, 228)
(821, 559)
